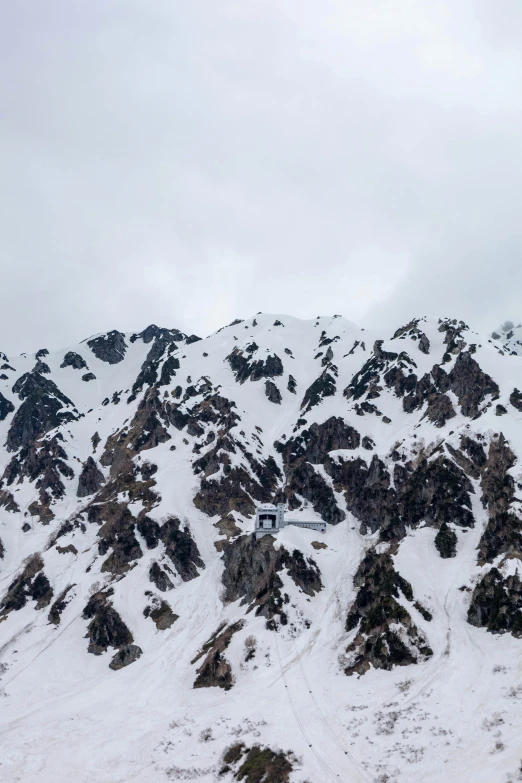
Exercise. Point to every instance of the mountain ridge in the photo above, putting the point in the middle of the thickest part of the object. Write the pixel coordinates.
(132, 466)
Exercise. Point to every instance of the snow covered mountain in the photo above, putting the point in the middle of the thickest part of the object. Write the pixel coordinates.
(145, 634)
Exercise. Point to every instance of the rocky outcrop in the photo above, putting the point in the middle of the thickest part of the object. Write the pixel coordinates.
(106, 628)
(273, 393)
(215, 671)
(245, 367)
(471, 384)
(316, 442)
(386, 634)
(515, 398)
(251, 573)
(110, 347)
(323, 386)
(43, 408)
(125, 656)
(496, 604)
(429, 490)
(74, 360)
(45, 463)
(31, 583)
(146, 430)
(6, 407)
(161, 614)
(503, 532)
(90, 480)
(159, 578)
(160, 354)
(181, 548)
(59, 605)
(446, 541)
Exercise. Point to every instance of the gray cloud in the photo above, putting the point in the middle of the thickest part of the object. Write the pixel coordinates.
(188, 163)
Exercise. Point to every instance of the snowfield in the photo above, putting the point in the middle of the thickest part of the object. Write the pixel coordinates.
(66, 716)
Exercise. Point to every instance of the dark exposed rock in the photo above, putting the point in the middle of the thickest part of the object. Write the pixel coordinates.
(8, 502)
(433, 490)
(158, 577)
(244, 367)
(145, 431)
(440, 409)
(376, 613)
(470, 384)
(125, 656)
(446, 541)
(323, 386)
(500, 410)
(215, 671)
(59, 605)
(90, 480)
(496, 604)
(109, 347)
(41, 367)
(150, 530)
(251, 572)
(162, 615)
(42, 352)
(165, 342)
(42, 409)
(515, 398)
(106, 628)
(31, 583)
(316, 442)
(74, 360)
(118, 534)
(424, 344)
(6, 407)
(292, 384)
(503, 532)
(89, 376)
(368, 379)
(43, 462)
(182, 549)
(272, 392)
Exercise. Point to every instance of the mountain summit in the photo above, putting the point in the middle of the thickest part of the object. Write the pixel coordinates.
(145, 634)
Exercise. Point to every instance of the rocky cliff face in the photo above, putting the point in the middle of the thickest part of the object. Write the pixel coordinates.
(130, 469)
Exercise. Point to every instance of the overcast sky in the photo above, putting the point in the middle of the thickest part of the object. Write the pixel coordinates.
(187, 162)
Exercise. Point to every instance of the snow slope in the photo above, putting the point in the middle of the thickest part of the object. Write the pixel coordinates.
(453, 716)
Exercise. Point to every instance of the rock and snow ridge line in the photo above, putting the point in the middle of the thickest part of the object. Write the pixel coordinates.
(130, 473)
